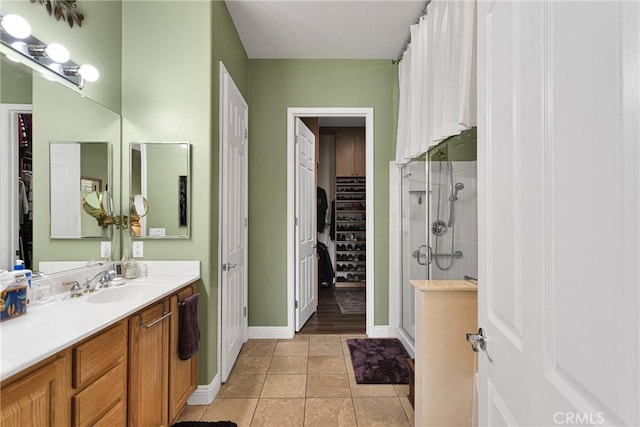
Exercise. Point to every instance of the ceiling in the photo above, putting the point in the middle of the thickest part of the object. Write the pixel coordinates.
(355, 29)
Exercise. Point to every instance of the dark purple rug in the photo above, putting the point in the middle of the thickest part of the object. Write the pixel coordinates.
(379, 361)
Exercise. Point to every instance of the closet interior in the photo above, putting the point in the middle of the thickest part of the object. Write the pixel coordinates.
(25, 190)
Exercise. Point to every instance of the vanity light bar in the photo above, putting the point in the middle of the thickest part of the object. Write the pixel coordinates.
(54, 56)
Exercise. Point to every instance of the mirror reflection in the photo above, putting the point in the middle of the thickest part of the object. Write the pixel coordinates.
(35, 112)
(159, 177)
(83, 166)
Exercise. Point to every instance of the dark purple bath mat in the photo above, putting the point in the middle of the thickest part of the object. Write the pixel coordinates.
(379, 361)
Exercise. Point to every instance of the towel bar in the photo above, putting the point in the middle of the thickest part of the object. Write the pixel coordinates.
(183, 303)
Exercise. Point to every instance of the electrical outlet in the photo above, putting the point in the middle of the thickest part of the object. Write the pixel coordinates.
(138, 249)
(105, 250)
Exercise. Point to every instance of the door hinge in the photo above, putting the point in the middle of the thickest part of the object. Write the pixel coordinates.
(245, 312)
(296, 220)
(246, 222)
(246, 133)
(296, 139)
(296, 304)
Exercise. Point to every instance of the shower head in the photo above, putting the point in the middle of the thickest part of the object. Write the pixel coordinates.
(454, 196)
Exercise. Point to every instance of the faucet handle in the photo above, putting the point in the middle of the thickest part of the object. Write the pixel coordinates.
(76, 290)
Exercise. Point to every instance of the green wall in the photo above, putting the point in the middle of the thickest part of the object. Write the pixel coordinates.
(15, 83)
(94, 164)
(170, 94)
(275, 85)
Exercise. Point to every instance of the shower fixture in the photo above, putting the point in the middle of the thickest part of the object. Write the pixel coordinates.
(452, 199)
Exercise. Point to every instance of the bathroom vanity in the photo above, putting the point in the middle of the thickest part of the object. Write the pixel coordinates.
(446, 310)
(105, 359)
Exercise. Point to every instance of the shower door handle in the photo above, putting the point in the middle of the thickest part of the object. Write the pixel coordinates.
(417, 254)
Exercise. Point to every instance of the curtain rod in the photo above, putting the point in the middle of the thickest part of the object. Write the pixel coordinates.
(423, 12)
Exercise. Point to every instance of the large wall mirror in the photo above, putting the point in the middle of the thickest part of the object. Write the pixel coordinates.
(79, 172)
(37, 112)
(160, 190)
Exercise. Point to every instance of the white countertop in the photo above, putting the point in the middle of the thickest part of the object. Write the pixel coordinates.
(49, 328)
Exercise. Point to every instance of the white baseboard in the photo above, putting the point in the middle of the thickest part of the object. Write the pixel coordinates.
(270, 332)
(379, 331)
(205, 394)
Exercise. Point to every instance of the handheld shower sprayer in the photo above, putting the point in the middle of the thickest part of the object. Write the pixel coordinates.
(452, 199)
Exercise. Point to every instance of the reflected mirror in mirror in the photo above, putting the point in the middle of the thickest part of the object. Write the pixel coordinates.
(159, 174)
(83, 166)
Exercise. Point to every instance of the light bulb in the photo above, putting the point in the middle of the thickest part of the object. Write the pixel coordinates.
(58, 53)
(17, 26)
(89, 72)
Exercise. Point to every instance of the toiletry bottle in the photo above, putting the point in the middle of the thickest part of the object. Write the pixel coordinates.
(23, 275)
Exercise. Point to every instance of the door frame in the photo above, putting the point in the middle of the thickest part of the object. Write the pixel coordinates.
(221, 104)
(300, 112)
(9, 173)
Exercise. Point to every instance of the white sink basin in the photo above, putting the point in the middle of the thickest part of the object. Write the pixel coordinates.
(118, 294)
(147, 281)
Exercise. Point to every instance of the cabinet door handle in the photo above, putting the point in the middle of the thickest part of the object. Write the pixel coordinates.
(155, 322)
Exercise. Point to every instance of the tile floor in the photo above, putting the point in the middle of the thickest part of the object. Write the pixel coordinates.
(304, 381)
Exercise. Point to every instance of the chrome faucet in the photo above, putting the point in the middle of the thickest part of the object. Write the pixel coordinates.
(100, 280)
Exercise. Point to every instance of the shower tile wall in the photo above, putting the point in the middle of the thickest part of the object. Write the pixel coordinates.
(465, 221)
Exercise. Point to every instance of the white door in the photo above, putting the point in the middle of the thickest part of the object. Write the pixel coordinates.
(66, 195)
(559, 212)
(305, 223)
(233, 178)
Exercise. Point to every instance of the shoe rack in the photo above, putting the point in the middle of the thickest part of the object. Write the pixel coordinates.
(351, 232)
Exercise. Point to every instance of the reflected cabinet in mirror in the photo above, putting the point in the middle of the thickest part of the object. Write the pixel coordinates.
(160, 201)
(44, 125)
(79, 181)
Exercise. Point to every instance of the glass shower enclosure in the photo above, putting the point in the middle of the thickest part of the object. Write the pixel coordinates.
(439, 219)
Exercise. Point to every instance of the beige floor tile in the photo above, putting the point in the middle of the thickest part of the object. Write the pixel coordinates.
(383, 412)
(251, 365)
(327, 365)
(328, 386)
(292, 348)
(325, 345)
(258, 348)
(295, 338)
(371, 390)
(242, 386)
(279, 412)
(408, 410)
(240, 411)
(288, 365)
(280, 386)
(325, 412)
(191, 413)
(402, 390)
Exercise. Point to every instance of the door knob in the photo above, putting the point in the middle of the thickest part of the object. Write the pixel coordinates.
(478, 341)
(228, 266)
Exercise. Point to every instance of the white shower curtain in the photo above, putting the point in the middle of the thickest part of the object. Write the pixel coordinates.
(437, 78)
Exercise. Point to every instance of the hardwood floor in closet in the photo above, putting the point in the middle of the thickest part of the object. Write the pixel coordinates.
(329, 320)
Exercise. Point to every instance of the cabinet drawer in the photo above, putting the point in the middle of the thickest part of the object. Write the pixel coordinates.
(96, 401)
(94, 357)
(117, 416)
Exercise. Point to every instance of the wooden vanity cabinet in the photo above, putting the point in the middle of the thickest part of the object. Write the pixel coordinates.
(149, 366)
(183, 374)
(99, 379)
(37, 396)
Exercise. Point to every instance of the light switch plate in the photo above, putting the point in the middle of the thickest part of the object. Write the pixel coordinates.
(105, 250)
(138, 249)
